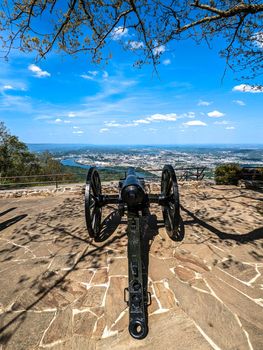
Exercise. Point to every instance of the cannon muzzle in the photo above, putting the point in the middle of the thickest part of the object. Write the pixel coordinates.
(132, 192)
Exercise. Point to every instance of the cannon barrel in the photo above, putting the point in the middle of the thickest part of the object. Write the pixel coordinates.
(132, 192)
(135, 201)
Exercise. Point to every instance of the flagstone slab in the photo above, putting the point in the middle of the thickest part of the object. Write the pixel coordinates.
(84, 323)
(114, 302)
(24, 330)
(101, 276)
(60, 327)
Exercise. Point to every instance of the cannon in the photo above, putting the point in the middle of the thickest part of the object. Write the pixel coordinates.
(134, 201)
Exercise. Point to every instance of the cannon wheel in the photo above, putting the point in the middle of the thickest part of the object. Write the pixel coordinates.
(171, 210)
(92, 202)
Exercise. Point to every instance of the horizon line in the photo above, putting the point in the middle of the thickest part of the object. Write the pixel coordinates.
(142, 144)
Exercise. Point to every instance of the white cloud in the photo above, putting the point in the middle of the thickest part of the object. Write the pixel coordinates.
(167, 117)
(11, 84)
(195, 123)
(167, 62)
(239, 102)
(78, 132)
(87, 77)
(72, 115)
(188, 115)
(95, 75)
(119, 125)
(126, 83)
(204, 103)
(135, 45)
(158, 50)
(93, 72)
(153, 118)
(38, 72)
(56, 121)
(142, 121)
(105, 75)
(17, 103)
(110, 85)
(112, 124)
(76, 127)
(118, 33)
(91, 75)
(127, 125)
(215, 114)
(221, 122)
(8, 87)
(248, 88)
(95, 106)
(230, 128)
(43, 117)
(104, 130)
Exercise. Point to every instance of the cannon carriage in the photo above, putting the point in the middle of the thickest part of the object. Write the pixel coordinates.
(134, 201)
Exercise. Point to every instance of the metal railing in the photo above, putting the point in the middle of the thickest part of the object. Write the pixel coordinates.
(184, 174)
(35, 180)
(10, 182)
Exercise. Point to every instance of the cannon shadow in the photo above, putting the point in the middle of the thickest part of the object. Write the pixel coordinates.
(12, 221)
(253, 235)
(109, 226)
(7, 211)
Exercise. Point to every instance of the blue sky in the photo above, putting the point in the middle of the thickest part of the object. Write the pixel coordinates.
(62, 99)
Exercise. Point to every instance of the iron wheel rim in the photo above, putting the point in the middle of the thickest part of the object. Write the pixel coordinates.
(171, 211)
(93, 211)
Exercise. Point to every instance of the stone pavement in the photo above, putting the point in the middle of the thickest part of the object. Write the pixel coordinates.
(60, 290)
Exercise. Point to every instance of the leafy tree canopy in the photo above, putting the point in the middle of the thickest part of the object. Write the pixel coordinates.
(48, 164)
(17, 160)
(81, 25)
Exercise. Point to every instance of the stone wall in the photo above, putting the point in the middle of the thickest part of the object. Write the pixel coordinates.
(107, 187)
(29, 192)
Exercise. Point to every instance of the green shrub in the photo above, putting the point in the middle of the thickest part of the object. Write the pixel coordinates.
(227, 174)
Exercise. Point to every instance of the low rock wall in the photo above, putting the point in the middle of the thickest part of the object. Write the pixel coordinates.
(40, 192)
(107, 187)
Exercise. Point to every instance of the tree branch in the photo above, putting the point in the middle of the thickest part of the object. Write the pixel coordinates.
(64, 23)
(239, 9)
